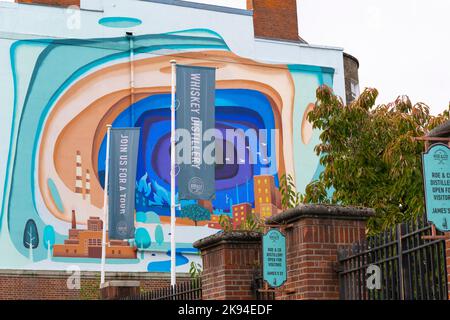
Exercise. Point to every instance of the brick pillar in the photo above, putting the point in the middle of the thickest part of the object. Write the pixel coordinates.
(115, 290)
(229, 262)
(313, 235)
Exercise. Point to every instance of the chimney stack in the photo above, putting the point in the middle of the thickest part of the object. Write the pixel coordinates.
(275, 19)
(58, 3)
(74, 220)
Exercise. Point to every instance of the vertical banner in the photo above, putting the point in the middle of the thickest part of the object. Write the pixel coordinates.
(195, 115)
(123, 154)
(436, 175)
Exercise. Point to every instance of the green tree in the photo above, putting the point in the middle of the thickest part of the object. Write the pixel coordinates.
(251, 223)
(290, 198)
(143, 240)
(196, 213)
(370, 155)
(159, 235)
(49, 240)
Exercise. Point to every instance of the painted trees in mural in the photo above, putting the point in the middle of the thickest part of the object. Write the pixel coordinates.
(378, 167)
(30, 237)
(159, 235)
(49, 240)
(142, 240)
(195, 213)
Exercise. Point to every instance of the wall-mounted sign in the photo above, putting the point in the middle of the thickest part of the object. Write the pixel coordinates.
(436, 175)
(274, 258)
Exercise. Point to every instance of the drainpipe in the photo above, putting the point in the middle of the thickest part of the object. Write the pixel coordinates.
(131, 42)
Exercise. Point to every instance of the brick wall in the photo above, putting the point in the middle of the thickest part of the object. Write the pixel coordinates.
(52, 285)
(313, 235)
(229, 262)
(61, 3)
(315, 232)
(312, 256)
(274, 19)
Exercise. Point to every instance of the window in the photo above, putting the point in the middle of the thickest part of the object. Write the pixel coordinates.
(354, 88)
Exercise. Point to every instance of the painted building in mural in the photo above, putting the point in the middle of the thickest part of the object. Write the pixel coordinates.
(67, 73)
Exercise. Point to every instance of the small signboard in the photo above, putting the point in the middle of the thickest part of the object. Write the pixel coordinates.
(436, 177)
(274, 258)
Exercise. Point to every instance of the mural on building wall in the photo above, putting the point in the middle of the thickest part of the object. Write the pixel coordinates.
(67, 90)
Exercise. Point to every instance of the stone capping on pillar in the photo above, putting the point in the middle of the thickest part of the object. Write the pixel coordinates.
(321, 211)
(314, 233)
(230, 260)
(235, 237)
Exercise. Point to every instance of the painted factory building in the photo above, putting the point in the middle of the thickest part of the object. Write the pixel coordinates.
(68, 72)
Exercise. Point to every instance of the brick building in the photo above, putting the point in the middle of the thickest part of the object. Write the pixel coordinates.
(240, 213)
(267, 196)
(88, 243)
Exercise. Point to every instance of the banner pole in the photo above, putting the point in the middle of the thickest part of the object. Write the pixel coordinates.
(105, 207)
(173, 280)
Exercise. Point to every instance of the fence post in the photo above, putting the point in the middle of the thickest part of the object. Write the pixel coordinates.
(447, 261)
(400, 261)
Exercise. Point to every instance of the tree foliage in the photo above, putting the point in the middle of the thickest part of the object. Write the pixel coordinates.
(159, 235)
(290, 198)
(142, 238)
(252, 223)
(49, 237)
(196, 213)
(30, 235)
(370, 155)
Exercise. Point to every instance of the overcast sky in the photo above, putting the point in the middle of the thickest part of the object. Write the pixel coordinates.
(403, 45)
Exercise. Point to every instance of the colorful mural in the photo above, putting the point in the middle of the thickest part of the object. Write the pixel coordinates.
(67, 90)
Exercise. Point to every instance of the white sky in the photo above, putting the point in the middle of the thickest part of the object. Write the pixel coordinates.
(403, 46)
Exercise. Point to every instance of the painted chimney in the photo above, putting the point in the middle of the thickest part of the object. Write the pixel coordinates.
(59, 3)
(275, 19)
(74, 220)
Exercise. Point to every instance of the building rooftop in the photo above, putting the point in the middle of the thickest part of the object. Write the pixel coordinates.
(441, 131)
(203, 6)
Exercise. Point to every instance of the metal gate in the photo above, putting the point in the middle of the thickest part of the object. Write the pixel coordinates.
(260, 288)
(410, 267)
(188, 290)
